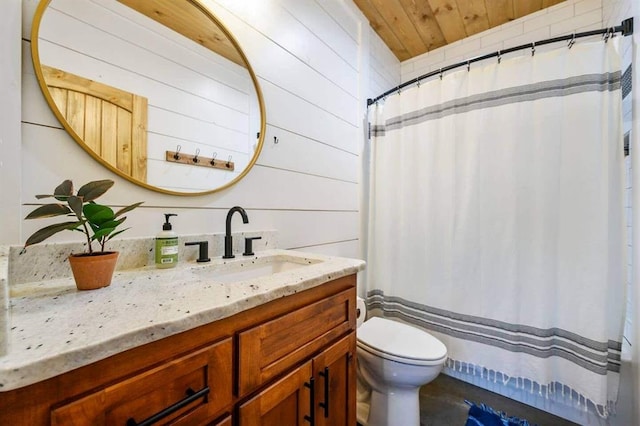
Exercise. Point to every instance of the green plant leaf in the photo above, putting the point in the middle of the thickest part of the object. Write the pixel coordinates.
(116, 233)
(97, 214)
(50, 230)
(128, 208)
(101, 233)
(76, 205)
(64, 190)
(93, 190)
(111, 223)
(49, 210)
(60, 198)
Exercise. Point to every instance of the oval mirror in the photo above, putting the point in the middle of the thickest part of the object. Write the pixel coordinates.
(158, 91)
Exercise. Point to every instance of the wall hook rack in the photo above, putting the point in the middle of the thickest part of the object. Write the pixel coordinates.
(196, 160)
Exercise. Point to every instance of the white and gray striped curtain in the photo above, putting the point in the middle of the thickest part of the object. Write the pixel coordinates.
(496, 218)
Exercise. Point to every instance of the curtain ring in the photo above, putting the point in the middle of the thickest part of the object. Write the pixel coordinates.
(533, 48)
(176, 156)
(499, 56)
(606, 36)
(468, 65)
(440, 73)
(195, 157)
(572, 41)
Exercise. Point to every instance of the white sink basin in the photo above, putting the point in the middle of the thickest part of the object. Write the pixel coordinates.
(242, 270)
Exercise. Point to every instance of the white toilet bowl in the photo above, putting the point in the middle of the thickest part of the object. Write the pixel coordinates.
(394, 360)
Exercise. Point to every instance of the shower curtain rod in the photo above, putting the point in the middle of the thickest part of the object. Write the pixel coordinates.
(625, 28)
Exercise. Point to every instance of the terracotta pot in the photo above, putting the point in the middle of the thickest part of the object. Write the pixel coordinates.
(93, 270)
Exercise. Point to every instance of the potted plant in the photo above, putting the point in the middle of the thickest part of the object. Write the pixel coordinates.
(94, 268)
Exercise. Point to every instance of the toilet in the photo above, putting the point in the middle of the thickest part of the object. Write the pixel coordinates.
(394, 361)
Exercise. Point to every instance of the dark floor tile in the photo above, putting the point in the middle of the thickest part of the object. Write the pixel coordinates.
(442, 404)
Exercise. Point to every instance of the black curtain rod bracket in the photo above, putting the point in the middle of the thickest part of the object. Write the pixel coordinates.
(625, 28)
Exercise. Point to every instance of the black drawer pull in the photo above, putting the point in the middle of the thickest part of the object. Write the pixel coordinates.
(325, 405)
(191, 396)
(311, 418)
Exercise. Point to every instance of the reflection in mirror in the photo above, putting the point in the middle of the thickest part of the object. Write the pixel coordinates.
(130, 90)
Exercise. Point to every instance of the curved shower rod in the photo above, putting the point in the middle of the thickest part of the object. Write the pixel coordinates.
(625, 28)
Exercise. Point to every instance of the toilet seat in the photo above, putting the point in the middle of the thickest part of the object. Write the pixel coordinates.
(400, 342)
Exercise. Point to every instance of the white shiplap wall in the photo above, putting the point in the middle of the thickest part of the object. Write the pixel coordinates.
(10, 100)
(312, 60)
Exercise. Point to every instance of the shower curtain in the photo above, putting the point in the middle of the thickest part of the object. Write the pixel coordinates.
(496, 218)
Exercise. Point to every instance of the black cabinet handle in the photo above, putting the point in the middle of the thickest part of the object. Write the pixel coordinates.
(325, 405)
(191, 396)
(311, 418)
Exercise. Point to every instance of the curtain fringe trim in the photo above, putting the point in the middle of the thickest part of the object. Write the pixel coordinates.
(554, 391)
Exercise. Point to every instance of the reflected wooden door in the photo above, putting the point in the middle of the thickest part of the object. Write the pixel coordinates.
(110, 121)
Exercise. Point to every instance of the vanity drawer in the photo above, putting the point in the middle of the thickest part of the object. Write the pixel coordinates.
(192, 389)
(275, 346)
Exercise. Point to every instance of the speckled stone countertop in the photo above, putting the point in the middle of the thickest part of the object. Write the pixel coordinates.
(55, 328)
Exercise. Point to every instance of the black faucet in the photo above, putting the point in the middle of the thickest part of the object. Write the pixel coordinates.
(228, 240)
(203, 252)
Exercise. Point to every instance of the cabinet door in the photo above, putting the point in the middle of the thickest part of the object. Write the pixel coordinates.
(272, 348)
(335, 374)
(189, 390)
(287, 402)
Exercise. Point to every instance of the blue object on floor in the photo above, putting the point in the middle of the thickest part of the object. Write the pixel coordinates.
(483, 415)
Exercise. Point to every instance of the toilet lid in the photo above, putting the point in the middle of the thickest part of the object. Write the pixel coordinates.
(400, 340)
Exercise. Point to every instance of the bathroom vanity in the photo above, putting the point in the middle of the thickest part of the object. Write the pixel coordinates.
(266, 343)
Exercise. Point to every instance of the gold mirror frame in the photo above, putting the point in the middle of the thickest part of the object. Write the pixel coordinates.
(42, 6)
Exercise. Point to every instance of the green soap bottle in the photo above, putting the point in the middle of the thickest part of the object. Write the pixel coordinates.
(167, 245)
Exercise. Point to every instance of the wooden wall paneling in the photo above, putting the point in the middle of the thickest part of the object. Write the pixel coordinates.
(321, 24)
(307, 47)
(448, 16)
(344, 248)
(59, 96)
(525, 7)
(160, 64)
(190, 22)
(278, 189)
(397, 18)
(474, 16)
(319, 59)
(549, 3)
(211, 131)
(378, 23)
(297, 153)
(425, 23)
(93, 123)
(139, 137)
(277, 199)
(300, 116)
(123, 142)
(500, 11)
(109, 135)
(75, 112)
(336, 96)
(153, 36)
(294, 231)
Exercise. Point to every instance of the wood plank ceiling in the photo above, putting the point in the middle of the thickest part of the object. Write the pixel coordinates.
(413, 27)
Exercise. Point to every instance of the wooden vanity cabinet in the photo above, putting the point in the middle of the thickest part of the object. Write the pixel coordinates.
(192, 389)
(319, 392)
(270, 365)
